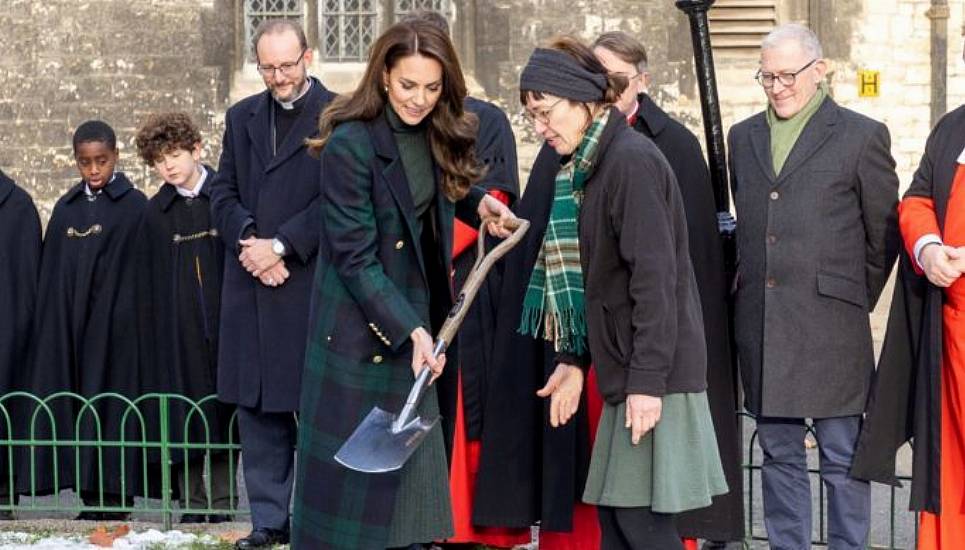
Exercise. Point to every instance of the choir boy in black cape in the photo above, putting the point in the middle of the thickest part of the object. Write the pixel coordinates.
(19, 263)
(180, 261)
(85, 339)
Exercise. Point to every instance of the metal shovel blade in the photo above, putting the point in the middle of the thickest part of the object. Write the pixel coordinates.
(376, 447)
(384, 441)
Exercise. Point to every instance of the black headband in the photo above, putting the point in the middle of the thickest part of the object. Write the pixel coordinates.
(554, 72)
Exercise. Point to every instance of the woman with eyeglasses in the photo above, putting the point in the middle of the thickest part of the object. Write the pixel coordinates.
(603, 277)
(398, 162)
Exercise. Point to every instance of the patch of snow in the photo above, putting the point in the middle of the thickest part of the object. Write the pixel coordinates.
(152, 538)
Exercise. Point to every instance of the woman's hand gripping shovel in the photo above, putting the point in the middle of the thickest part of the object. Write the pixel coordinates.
(384, 441)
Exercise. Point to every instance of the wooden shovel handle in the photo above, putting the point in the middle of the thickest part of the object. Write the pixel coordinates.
(484, 262)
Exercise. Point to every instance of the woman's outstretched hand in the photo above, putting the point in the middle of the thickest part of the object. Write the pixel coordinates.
(563, 388)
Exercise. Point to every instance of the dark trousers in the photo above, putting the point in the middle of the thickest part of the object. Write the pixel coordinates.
(194, 494)
(268, 456)
(637, 529)
(786, 488)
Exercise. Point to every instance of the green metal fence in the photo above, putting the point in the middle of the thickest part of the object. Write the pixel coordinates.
(20, 443)
(144, 443)
(753, 469)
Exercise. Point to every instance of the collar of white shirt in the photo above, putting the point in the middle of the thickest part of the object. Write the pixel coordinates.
(90, 192)
(197, 188)
(961, 157)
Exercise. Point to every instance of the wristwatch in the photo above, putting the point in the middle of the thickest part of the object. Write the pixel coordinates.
(278, 247)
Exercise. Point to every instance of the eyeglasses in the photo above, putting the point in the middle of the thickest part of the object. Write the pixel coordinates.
(287, 69)
(786, 79)
(541, 116)
(629, 77)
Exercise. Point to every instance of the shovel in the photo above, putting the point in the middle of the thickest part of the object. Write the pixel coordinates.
(384, 441)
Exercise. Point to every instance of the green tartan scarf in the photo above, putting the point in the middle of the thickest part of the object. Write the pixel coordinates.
(554, 297)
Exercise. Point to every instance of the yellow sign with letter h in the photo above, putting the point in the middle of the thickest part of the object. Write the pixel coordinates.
(869, 83)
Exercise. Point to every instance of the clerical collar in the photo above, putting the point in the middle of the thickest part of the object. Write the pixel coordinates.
(191, 193)
(289, 105)
(92, 193)
(961, 157)
(632, 117)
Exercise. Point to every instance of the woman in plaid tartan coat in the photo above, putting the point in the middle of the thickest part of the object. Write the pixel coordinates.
(398, 165)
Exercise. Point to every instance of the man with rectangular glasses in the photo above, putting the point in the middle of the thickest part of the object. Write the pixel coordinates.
(815, 191)
(265, 204)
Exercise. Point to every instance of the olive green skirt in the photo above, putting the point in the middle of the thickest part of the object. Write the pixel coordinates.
(423, 512)
(675, 468)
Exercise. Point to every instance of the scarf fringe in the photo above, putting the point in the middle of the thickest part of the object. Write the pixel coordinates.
(566, 329)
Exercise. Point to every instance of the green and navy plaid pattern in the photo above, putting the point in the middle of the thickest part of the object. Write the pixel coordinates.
(554, 297)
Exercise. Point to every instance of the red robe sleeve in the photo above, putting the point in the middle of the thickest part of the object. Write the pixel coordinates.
(464, 236)
(916, 217)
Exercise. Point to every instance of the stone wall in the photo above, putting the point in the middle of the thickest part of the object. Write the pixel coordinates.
(889, 36)
(894, 38)
(66, 61)
(509, 30)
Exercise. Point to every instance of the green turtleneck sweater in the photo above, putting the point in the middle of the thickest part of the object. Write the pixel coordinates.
(413, 144)
(786, 131)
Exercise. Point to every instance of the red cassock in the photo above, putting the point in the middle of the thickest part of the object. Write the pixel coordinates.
(465, 453)
(917, 218)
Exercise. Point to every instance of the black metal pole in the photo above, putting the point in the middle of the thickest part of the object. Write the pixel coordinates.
(696, 11)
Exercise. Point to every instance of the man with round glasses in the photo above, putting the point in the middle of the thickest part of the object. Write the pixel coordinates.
(265, 202)
(815, 192)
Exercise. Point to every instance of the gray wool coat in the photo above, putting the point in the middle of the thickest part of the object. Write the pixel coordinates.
(816, 243)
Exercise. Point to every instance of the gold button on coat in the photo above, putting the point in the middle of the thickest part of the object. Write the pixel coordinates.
(399, 245)
(377, 359)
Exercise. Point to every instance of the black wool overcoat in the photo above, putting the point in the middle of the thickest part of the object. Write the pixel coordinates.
(496, 150)
(263, 329)
(905, 401)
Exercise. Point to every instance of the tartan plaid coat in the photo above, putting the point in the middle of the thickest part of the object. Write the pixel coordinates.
(372, 289)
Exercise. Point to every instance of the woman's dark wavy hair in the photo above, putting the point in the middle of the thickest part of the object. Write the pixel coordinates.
(583, 55)
(452, 130)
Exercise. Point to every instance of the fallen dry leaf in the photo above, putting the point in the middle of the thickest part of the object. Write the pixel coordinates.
(232, 537)
(101, 537)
